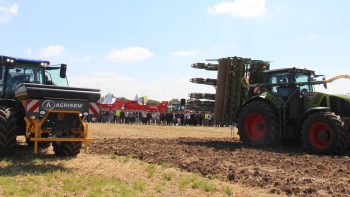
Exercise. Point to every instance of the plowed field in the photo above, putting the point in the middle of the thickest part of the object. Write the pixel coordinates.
(289, 171)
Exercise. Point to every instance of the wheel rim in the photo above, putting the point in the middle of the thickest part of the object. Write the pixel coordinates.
(255, 126)
(320, 135)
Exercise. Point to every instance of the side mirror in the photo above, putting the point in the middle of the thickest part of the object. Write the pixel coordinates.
(63, 71)
(325, 85)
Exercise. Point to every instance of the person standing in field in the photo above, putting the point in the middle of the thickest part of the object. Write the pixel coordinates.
(144, 117)
(117, 116)
(122, 117)
(206, 119)
(210, 119)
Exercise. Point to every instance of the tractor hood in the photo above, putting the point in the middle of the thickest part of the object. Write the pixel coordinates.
(338, 103)
(342, 96)
(39, 91)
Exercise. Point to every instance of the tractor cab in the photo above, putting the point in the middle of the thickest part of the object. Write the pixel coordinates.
(14, 71)
(284, 82)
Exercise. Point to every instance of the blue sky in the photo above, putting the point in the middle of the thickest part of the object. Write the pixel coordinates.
(146, 47)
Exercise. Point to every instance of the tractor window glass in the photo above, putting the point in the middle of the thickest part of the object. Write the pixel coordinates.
(22, 74)
(52, 75)
(302, 78)
(279, 78)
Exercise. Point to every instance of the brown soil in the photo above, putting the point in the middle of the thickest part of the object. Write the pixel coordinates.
(291, 172)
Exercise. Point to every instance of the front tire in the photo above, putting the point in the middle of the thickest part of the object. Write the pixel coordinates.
(258, 125)
(8, 131)
(323, 134)
(67, 149)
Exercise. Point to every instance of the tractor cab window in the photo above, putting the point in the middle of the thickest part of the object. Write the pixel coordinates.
(53, 77)
(281, 79)
(300, 77)
(22, 74)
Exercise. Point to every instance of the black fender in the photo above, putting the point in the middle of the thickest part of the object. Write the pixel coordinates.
(259, 98)
(253, 99)
(308, 113)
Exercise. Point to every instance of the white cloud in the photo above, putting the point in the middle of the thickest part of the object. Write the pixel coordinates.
(163, 88)
(129, 55)
(240, 8)
(184, 53)
(7, 11)
(52, 51)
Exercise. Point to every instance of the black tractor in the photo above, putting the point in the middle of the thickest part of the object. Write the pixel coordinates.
(36, 102)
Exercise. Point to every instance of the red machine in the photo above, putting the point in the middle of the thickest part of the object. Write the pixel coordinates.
(133, 105)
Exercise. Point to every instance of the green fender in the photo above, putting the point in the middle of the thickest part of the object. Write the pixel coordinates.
(308, 113)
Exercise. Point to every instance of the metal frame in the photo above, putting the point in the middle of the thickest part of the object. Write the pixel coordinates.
(34, 126)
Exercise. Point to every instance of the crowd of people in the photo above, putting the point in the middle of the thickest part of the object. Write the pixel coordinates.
(181, 118)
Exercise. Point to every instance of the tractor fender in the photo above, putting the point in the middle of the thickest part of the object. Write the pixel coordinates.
(259, 98)
(308, 113)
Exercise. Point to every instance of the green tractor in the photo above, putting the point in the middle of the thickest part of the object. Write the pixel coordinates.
(286, 108)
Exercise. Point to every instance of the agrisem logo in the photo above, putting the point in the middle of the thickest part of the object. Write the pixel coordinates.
(48, 105)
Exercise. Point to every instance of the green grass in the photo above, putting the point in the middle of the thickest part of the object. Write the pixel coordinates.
(227, 190)
(212, 176)
(127, 158)
(168, 176)
(185, 181)
(197, 182)
(166, 165)
(203, 185)
(96, 186)
(151, 170)
(37, 178)
(158, 189)
(139, 185)
(73, 184)
(113, 156)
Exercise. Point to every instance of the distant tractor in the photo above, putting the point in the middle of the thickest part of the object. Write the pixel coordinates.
(286, 108)
(35, 101)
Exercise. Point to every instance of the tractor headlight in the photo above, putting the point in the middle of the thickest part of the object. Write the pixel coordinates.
(33, 117)
(42, 112)
(85, 113)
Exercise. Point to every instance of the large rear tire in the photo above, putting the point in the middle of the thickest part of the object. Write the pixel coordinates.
(258, 125)
(8, 131)
(67, 149)
(323, 133)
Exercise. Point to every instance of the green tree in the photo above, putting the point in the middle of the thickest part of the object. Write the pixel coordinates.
(153, 102)
(174, 101)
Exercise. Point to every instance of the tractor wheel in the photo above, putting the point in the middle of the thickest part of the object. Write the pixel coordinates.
(67, 149)
(8, 131)
(258, 125)
(323, 133)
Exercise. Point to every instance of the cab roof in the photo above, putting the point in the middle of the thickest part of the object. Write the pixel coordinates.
(290, 70)
(23, 60)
